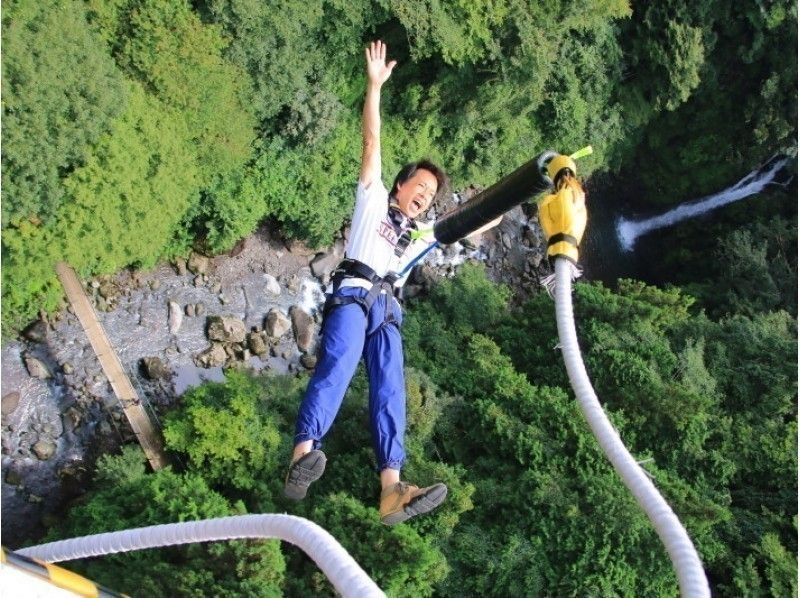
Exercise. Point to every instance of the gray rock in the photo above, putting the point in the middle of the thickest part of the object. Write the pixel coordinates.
(107, 290)
(67, 368)
(44, 449)
(13, 477)
(36, 332)
(303, 326)
(309, 361)
(226, 329)
(156, 368)
(180, 266)
(189, 310)
(155, 284)
(273, 286)
(175, 317)
(214, 356)
(71, 419)
(257, 343)
(199, 309)
(323, 264)
(198, 264)
(198, 281)
(10, 402)
(293, 283)
(425, 276)
(276, 323)
(36, 368)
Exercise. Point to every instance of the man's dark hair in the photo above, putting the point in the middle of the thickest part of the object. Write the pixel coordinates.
(442, 183)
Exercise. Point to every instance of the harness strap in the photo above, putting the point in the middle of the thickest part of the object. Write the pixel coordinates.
(558, 237)
(350, 268)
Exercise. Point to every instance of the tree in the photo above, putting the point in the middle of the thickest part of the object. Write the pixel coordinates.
(61, 93)
(127, 497)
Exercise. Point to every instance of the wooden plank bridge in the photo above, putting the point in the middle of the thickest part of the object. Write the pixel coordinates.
(146, 434)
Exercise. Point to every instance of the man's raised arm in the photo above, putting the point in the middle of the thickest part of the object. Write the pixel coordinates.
(377, 74)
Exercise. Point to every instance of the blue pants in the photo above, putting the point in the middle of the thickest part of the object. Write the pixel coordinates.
(347, 335)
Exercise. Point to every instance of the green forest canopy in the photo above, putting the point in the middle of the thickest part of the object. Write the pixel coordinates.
(534, 508)
(196, 122)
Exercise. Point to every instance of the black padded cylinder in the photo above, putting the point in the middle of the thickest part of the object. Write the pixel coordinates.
(522, 184)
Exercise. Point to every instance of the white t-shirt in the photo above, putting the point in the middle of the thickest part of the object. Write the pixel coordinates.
(373, 236)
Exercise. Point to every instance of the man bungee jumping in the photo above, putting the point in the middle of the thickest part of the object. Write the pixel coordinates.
(362, 318)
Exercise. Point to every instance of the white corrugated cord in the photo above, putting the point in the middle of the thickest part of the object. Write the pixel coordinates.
(691, 577)
(334, 561)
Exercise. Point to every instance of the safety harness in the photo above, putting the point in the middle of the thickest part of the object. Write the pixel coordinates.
(406, 230)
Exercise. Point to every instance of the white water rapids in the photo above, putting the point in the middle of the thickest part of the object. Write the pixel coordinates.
(755, 182)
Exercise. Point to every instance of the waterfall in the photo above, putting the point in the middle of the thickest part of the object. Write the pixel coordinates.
(630, 230)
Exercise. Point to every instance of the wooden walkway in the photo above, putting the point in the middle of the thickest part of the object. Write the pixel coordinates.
(148, 436)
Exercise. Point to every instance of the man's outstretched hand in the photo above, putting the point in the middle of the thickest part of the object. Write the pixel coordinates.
(378, 71)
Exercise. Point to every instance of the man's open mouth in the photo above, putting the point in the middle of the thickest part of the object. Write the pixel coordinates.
(417, 205)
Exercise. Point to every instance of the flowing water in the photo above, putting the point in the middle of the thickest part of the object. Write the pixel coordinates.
(755, 182)
(607, 250)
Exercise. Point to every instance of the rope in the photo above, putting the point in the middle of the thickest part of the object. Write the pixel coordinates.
(334, 561)
(691, 577)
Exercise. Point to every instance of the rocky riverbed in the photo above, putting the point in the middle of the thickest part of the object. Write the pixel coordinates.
(176, 326)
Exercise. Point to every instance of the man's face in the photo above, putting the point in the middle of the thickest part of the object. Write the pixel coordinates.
(415, 195)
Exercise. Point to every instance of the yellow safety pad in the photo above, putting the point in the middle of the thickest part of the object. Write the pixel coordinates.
(556, 164)
(72, 581)
(564, 212)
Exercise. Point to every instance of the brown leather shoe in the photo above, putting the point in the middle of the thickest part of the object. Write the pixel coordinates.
(402, 501)
(306, 469)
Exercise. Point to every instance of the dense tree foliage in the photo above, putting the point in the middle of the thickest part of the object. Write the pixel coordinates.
(61, 92)
(715, 86)
(129, 497)
(534, 508)
(256, 106)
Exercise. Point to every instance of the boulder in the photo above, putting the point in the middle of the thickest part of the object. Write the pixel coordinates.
(44, 449)
(324, 263)
(303, 326)
(309, 361)
(273, 286)
(257, 343)
(10, 402)
(36, 368)
(226, 329)
(13, 477)
(180, 266)
(155, 368)
(71, 419)
(175, 317)
(107, 290)
(214, 356)
(198, 264)
(276, 323)
(36, 332)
